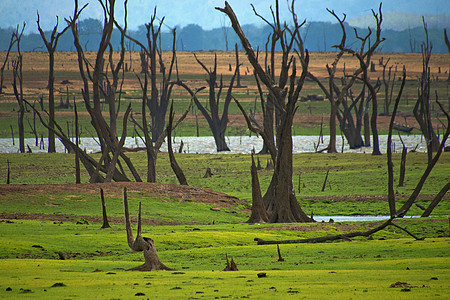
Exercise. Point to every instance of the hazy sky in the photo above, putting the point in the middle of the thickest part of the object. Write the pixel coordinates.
(184, 12)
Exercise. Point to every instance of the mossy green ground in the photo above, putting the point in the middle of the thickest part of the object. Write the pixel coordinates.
(96, 259)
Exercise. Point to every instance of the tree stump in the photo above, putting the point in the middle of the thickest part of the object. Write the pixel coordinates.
(208, 173)
(147, 245)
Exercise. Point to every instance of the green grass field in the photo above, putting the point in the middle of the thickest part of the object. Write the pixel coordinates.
(65, 256)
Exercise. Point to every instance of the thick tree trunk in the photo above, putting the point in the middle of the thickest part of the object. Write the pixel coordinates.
(280, 201)
(333, 116)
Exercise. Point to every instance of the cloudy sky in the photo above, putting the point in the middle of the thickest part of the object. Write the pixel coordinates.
(202, 12)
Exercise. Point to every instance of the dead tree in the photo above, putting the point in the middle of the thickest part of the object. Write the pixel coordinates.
(173, 163)
(77, 144)
(238, 72)
(217, 124)
(337, 95)
(422, 110)
(140, 243)
(388, 85)
(18, 87)
(104, 215)
(94, 74)
(401, 179)
(51, 48)
(151, 60)
(279, 200)
(447, 42)
(11, 44)
(151, 148)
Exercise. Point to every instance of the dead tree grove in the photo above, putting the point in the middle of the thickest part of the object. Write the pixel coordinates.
(343, 96)
(394, 213)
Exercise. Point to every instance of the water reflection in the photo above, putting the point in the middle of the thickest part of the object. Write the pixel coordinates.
(237, 144)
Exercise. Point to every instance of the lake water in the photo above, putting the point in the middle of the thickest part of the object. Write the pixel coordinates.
(355, 218)
(237, 144)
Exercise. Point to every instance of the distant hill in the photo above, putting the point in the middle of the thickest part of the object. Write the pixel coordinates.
(318, 36)
(400, 21)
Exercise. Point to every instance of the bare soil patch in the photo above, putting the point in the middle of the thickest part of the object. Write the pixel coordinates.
(164, 191)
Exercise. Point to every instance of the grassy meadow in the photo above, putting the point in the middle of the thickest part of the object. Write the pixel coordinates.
(52, 247)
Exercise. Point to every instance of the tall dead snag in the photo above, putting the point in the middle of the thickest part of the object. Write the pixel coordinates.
(279, 200)
(18, 87)
(173, 163)
(238, 72)
(11, 44)
(95, 75)
(388, 82)
(259, 213)
(390, 165)
(217, 124)
(140, 243)
(77, 144)
(51, 48)
(421, 110)
(401, 179)
(104, 215)
(447, 42)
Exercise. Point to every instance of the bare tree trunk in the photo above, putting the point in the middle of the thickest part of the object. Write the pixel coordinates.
(11, 44)
(401, 179)
(447, 42)
(51, 48)
(18, 90)
(390, 165)
(436, 200)
(104, 215)
(421, 110)
(77, 149)
(173, 163)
